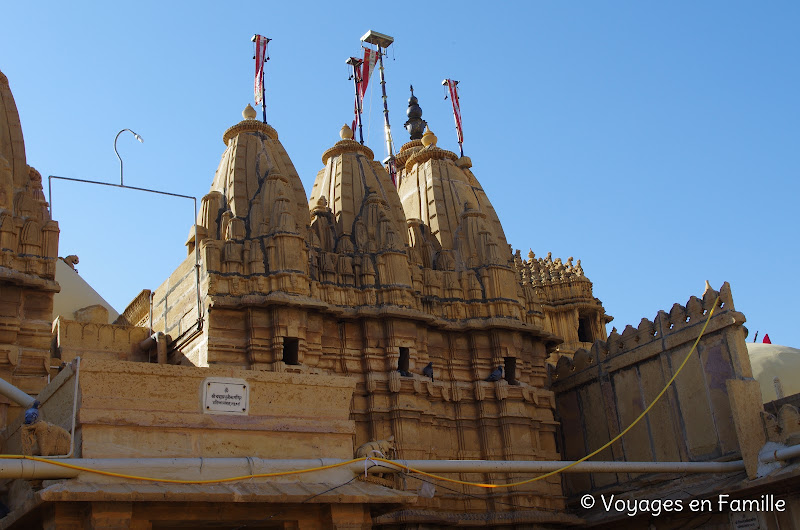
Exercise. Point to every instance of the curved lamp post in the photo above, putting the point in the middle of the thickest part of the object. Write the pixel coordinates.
(115, 150)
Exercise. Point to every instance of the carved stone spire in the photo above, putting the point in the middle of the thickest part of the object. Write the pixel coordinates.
(415, 124)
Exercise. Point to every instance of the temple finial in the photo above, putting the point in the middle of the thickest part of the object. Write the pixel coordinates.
(415, 124)
(428, 138)
(249, 113)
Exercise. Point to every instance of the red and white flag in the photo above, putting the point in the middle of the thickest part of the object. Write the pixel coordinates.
(261, 53)
(453, 88)
(370, 59)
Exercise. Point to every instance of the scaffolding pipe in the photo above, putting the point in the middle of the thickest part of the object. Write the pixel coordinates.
(15, 394)
(787, 453)
(159, 340)
(537, 466)
(220, 468)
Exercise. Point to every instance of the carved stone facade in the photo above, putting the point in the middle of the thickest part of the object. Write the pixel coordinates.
(360, 284)
(28, 250)
(566, 298)
(360, 313)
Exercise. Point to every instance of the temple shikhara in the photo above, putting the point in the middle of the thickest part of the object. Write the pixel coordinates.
(312, 335)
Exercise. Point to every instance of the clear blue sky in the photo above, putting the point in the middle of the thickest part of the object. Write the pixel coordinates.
(658, 142)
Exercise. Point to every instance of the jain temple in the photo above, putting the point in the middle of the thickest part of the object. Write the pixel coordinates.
(363, 355)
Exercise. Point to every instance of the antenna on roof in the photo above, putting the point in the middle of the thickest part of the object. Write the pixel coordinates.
(261, 56)
(382, 42)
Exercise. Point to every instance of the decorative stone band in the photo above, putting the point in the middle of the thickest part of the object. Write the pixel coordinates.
(42, 278)
(429, 153)
(347, 146)
(409, 145)
(246, 126)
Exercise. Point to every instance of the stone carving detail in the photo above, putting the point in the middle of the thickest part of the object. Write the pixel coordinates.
(28, 238)
(358, 283)
(28, 254)
(383, 448)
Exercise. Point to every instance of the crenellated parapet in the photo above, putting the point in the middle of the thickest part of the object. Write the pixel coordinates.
(601, 390)
(666, 329)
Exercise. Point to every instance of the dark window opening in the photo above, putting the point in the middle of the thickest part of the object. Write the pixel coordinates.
(403, 361)
(585, 330)
(290, 349)
(510, 370)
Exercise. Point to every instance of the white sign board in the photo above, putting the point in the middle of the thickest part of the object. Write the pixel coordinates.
(745, 521)
(225, 395)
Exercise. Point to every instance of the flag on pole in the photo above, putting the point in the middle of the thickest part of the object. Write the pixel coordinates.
(453, 88)
(357, 103)
(261, 53)
(367, 66)
(766, 339)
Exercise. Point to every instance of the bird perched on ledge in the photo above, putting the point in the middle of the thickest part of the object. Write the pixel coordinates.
(428, 370)
(496, 375)
(32, 414)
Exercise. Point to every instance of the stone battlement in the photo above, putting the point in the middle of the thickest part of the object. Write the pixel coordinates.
(602, 390)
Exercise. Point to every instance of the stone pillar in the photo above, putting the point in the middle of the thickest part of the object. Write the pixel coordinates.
(746, 408)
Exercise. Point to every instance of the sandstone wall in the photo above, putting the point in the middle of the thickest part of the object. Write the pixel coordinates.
(150, 410)
(601, 391)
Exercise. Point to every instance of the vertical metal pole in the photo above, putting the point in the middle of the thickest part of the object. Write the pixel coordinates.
(197, 267)
(456, 103)
(356, 81)
(386, 126)
(263, 96)
(257, 40)
(50, 195)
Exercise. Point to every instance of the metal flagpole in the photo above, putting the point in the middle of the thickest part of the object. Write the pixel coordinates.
(257, 39)
(263, 85)
(263, 98)
(384, 41)
(356, 63)
(452, 88)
